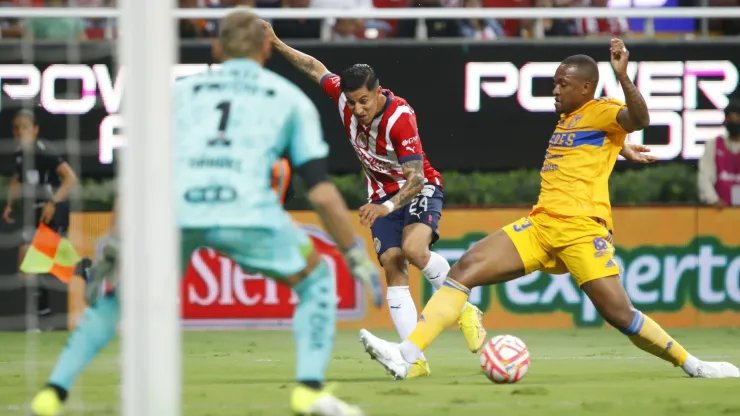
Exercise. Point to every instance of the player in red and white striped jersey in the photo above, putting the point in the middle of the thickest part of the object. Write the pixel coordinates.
(405, 192)
(383, 140)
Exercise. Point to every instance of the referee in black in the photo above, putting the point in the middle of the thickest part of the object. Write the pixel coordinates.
(43, 175)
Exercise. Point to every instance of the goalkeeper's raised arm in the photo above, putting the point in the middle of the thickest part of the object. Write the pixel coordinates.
(310, 66)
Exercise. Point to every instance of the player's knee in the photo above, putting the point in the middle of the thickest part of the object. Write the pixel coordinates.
(394, 264)
(417, 254)
(620, 317)
(462, 271)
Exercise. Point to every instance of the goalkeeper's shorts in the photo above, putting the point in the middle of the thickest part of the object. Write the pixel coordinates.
(276, 252)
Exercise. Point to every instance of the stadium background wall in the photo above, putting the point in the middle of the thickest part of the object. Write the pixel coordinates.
(682, 265)
(479, 106)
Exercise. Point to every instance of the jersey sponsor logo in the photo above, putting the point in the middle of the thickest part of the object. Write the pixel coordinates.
(374, 164)
(549, 167)
(217, 292)
(577, 138)
(216, 163)
(729, 176)
(211, 194)
(410, 142)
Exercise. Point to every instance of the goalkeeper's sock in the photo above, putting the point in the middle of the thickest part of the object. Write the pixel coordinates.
(436, 272)
(403, 311)
(95, 330)
(647, 335)
(314, 324)
(442, 310)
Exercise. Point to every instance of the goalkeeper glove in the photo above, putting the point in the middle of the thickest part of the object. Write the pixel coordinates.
(102, 276)
(364, 270)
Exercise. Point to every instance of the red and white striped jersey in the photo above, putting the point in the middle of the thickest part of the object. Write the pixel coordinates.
(612, 26)
(390, 140)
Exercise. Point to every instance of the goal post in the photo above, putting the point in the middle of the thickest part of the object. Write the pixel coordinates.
(151, 349)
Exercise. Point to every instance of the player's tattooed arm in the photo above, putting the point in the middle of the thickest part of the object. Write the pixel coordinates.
(304, 63)
(413, 170)
(636, 116)
(307, 64)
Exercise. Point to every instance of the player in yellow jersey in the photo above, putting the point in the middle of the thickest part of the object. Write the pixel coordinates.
(570, 228)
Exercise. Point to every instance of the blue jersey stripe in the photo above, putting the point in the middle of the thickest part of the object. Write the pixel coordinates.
(577, 138)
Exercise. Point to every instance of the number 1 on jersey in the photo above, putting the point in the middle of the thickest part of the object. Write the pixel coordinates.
(225, 108)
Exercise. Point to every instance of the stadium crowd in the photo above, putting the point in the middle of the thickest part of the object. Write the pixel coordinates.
(354, 29)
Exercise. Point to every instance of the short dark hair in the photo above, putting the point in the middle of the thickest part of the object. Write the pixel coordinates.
(586, 65)
(358, 76)
(732, 107)
(25, 112)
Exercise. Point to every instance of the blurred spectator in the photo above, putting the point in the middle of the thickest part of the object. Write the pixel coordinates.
(728, 27)
(392, 23)
(615, 26)
(352, 29)
(481, 29)
(55, 28)
(191, 28)
(297, 29)
(436, 28)
(10, 28)
(719, 167)
(552, 27)
(96, 28)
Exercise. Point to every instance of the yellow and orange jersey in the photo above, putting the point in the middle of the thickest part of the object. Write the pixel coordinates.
(582, 152)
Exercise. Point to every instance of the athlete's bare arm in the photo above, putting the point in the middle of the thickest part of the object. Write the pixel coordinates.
(310, 66)
(636, 116)
(413, 170)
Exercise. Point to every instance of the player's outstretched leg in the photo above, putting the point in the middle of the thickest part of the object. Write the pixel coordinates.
(314, 322)
(416, 240)
(492, 260)
(400, 303)
(96, 329)
(612, 302)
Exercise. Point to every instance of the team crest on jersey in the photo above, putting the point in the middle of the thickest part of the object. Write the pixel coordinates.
(376, 243)
(362, 139)
(574, 121)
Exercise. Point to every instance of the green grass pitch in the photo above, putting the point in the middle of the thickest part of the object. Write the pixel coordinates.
(579, 372)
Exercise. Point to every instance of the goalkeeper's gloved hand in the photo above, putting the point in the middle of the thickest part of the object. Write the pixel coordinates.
(363, 269)
(102, 276)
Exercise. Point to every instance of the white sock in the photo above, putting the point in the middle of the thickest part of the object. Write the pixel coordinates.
(410, 352)
(436, 271)
(403, 311)
(691, 365)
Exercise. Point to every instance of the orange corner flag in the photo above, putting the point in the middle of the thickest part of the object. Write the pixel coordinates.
(50, 253)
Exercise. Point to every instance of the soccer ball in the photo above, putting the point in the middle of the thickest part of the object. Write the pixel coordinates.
(504, 359)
